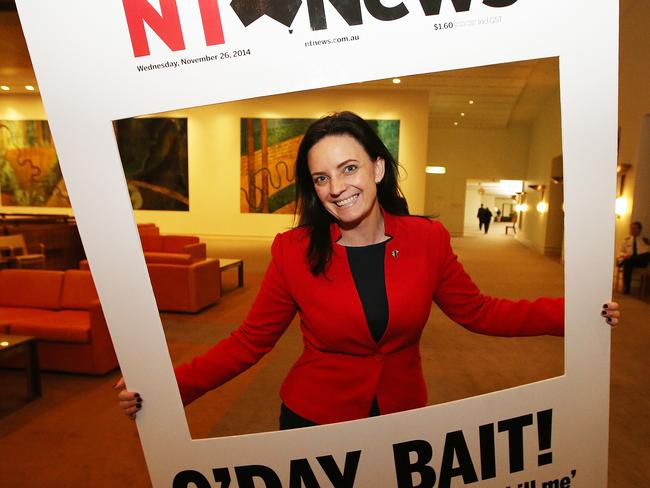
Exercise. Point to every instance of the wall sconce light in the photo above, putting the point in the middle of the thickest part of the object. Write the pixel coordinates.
(620, 207)
(520, 198)
(542, 206)
(537, 187)
(623, 168)
(621, 171)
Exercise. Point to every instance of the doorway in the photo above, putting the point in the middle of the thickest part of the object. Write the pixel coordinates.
(498, 196)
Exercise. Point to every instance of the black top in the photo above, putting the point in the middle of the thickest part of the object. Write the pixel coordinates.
(367, 267)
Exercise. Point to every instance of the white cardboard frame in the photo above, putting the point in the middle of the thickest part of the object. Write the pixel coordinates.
(87, 75)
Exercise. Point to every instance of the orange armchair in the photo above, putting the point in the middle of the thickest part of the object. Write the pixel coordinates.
(184, 286)
(173, 244)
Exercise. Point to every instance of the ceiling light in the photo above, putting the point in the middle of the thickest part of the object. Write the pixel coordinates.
(397, 81)
(455, 123)
(29, 88)
(462, 114)
(436, 170)
(510, 186)
(4, 88)
(471, 102)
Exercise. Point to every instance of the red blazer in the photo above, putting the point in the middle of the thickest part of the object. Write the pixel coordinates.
(342, 368)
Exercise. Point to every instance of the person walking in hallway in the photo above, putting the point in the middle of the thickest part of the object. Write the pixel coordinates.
(480, 216)
(635, 253)
(487, 217)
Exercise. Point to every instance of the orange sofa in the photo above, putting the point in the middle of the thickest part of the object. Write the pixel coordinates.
(172, 248)
(148, 229)
(183, 286)
(61, 309)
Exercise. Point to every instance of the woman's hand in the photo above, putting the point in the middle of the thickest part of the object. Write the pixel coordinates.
(130, 402)
(611, 313)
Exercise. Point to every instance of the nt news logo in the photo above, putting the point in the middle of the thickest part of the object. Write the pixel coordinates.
(166, 23)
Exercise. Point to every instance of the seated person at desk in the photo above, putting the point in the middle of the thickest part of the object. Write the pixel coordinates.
(635, 253)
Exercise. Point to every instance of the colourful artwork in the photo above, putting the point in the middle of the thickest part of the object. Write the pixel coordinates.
(154, 158)
(268, 154)
(30, 175)
(153, 153)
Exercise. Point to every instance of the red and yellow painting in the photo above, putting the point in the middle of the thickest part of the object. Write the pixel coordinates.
(30, 175)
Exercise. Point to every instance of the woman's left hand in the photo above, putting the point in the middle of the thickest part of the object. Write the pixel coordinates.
(611, 313)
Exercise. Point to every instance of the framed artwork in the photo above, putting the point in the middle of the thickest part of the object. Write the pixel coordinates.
(153, 152)
(30, 175)
(154, 157)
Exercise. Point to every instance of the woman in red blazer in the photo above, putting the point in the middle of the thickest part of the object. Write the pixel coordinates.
(361, 323)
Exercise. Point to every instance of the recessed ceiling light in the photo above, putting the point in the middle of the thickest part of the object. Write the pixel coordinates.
(471, 102)
(397, 81)
(455, 123)
(436, 170)
(29, 88)
(462, 114)
(4, 88)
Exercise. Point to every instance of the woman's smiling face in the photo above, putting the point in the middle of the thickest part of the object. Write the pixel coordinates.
(345, 178)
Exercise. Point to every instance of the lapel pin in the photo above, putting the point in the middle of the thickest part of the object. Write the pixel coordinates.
(395, 253)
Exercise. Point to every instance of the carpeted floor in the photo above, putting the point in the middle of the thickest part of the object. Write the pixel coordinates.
(76, 436)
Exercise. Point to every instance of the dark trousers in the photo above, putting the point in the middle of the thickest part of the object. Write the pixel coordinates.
(638, 261)
(486, 225)
(480, 225)
(291, 420)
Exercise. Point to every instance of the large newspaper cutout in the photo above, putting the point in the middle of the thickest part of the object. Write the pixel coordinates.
(101, 62)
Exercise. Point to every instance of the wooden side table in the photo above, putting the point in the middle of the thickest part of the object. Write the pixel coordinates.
(225, 264)
(11, 345)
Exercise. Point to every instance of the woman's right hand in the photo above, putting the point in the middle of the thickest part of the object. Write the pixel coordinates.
(130, 401)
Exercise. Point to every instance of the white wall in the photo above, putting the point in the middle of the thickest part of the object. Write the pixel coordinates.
(472, 204)
(483, 154)
(641, 207)
(545, 146)
(634, 106)
(214, 154)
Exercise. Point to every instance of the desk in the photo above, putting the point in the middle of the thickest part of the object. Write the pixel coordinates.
(14, 344)
(225, 264)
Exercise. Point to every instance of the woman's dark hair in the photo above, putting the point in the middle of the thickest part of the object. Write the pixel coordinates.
(312, 213)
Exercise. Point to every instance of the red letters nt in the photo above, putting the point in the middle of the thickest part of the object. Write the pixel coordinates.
(167, 24)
